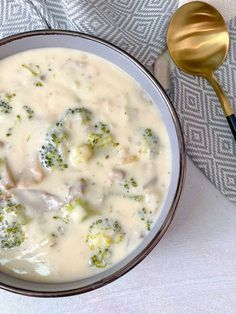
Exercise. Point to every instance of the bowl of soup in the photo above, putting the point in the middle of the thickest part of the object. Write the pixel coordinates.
(92, 163)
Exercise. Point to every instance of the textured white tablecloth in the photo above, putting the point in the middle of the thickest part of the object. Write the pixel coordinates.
(192, 270)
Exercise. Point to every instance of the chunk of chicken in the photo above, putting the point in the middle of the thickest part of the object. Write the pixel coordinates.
(77, 190)
(116, 175)
(7, 180)
(129, 159)
(37, 171)
(33, 175)
(126, 157)
(37, 199)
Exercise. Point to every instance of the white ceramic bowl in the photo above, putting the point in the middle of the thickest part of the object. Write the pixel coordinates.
(53, 38)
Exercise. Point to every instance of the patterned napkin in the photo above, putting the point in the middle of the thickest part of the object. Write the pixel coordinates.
(139, 27)
(136, 26)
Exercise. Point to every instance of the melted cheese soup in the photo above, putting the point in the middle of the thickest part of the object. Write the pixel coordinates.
(85, 165)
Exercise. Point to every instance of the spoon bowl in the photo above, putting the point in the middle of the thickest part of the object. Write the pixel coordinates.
(198, 42)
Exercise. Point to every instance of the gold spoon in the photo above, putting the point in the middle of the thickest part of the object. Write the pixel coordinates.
(198, 42)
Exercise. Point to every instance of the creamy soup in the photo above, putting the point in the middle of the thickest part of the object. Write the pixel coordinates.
(85, 164)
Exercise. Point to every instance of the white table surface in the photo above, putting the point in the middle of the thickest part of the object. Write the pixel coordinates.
(192, 270)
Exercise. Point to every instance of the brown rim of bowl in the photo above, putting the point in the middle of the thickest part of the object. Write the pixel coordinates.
(182, 166)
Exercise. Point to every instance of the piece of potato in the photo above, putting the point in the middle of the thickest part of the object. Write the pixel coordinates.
(80, 154)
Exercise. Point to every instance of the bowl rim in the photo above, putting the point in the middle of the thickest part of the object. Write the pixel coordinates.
(181, 178)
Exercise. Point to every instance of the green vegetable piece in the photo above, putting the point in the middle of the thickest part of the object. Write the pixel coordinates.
(10, 96)
(133, 182)
(82, 113)
(101, 137)
(78, 202)
(130, 183)
(33, 69)
(5, 107)
(103, 233)
(150, 142)
(101, 259)
(36, 72)
(29, 112)
(137, 198)
(11, 223)
(145, 216)
(38, 84)
(76, 210)
(51, 156)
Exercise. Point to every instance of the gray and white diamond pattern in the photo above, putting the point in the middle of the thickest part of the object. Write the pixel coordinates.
(138, 26)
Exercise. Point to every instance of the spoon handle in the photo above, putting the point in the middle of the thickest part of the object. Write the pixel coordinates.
(225, 104)
(232, 123)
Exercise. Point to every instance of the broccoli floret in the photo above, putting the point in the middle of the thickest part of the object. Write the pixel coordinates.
(101, 137)
(149, 142)
(101, 259)
(51, 155)
(5, 107)
(131, 183)
(103, 235)
(81, 113)
(75, 210)
(145, 216)
(12, 214)
(11, 224)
